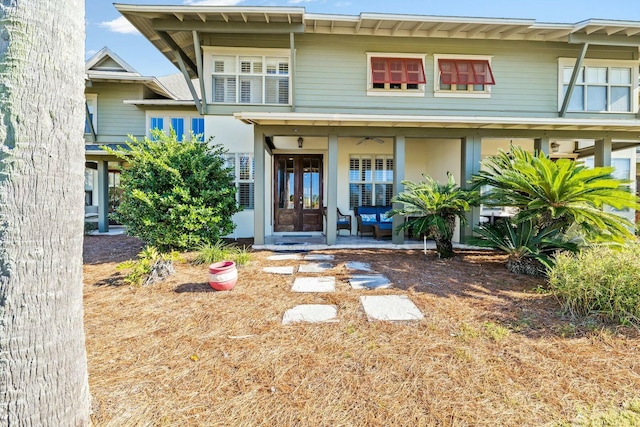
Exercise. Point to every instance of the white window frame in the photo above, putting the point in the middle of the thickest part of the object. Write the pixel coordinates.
(373, 181)
(454, 93)
(212, 51)
(420, 92)
(600, 63)
(92, 103)
(235, 157)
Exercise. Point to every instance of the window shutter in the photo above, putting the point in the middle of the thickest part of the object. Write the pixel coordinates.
(464, 72)
(397, 71)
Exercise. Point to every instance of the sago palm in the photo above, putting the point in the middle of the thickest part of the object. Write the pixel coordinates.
(557, 193)
(433, 208)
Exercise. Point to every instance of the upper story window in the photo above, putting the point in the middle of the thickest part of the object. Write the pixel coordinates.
(468, 76)
(243, 76)
(602, 86)
(91, 113)
(395, 74)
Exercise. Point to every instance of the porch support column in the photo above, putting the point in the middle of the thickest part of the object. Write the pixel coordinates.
(602, 153)
(103, 196)
(541, 145)
(399, 160)
(332, 189)
(471, 157)
(259, 184)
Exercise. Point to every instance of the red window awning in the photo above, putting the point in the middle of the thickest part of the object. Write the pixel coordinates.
(465, 72)
(397, 70)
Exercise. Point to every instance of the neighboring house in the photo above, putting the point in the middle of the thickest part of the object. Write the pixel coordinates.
(120, 102)
(332, 110)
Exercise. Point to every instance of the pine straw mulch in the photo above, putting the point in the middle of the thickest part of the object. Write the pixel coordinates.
(491, 350)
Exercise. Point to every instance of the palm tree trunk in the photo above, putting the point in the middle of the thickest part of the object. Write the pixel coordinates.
(43, 365)
(444, 247)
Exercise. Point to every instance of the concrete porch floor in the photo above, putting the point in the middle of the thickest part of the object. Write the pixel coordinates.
(302, 242)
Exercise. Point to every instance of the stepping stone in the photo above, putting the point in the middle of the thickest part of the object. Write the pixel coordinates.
(314, 284)
(314, 267)
(318, 257)
(311, 313)
(284, 257)
(287, 270)
(357, 265)
(390, 307)
(369, 281)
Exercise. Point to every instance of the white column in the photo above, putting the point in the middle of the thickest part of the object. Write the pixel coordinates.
(258, 186)
(332, 189)
(399, 160)
(103, 196)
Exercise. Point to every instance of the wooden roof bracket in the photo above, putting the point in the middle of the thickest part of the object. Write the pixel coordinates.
(574, 78)
(183, 60)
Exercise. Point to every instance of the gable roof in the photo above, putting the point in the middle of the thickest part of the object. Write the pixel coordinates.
(106, 66)
(171, 28)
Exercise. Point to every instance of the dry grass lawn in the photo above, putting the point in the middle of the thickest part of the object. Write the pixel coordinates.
(491, 350)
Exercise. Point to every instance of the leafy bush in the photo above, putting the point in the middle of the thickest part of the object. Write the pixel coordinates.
(530, 250)
(175, 194)
(600, 280)
(560, 193)
(150, 267)
(434, 208)
(209, 253)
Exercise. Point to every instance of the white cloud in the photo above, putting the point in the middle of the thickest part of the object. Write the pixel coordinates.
(120, 25)
(212, 2)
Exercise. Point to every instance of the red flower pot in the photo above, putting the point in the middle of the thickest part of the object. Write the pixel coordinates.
(223, 275)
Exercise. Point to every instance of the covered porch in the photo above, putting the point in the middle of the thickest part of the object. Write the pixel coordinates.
(416, 144)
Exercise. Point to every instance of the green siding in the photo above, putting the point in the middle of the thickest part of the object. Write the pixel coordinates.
(116, 120)
(331, 74)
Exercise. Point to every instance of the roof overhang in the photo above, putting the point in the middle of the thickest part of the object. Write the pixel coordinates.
(161, 102)
(439, 122)
(172, 28)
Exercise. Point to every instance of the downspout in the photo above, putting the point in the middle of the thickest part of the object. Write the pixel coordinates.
(292, 71)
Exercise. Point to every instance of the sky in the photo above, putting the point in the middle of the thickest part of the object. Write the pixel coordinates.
(106, 27)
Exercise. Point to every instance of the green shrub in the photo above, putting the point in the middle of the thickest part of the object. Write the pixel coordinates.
(530, 250)
(601, 280)
(175, 194)
(213, 252)
(626, 416)
(150, 267)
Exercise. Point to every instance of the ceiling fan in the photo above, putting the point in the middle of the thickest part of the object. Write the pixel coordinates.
(370, 138)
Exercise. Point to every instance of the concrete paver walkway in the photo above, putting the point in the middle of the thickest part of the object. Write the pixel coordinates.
(311, 313)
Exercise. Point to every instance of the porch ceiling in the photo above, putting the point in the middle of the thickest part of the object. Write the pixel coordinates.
(440, 122)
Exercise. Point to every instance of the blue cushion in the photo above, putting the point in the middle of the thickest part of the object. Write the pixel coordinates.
(385, 219)
(343, 222)
(367, 210)
(369, 217)
(385, 225)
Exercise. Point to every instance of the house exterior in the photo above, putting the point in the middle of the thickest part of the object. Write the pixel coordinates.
(121, 102)
(335, 111)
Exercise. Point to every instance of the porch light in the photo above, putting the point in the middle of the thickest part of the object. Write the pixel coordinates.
(555, 147)
(300, 141)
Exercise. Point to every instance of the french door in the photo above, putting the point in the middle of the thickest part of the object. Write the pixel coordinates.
(298, 192)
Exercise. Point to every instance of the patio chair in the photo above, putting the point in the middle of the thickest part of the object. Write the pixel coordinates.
(343, 222)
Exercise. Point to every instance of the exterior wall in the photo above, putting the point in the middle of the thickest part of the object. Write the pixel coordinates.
(116, 120)
(237, 137)
(331, 75)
